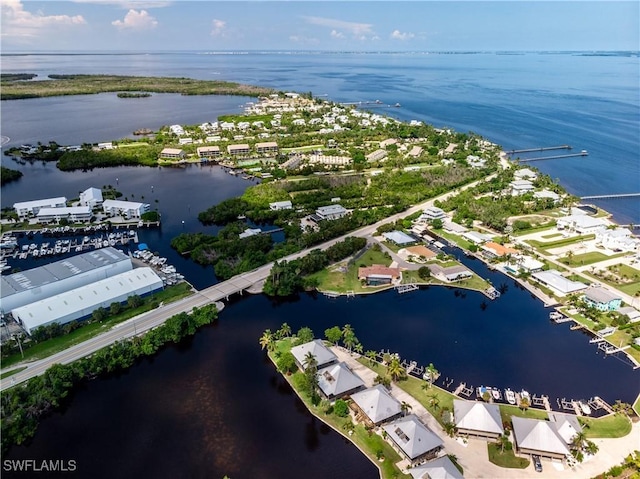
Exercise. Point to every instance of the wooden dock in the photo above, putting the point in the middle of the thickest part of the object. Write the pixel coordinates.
(542, 148)
(459, 389)
(553, 157)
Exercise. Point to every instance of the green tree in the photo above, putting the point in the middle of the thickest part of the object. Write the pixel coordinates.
(340, 408)
(371, 356)
(333, 334)
(284, 331)
(267, 340)
(287, 363)
(432, 373)
(304, 335)
(115, 308)
(395, 369)
(437, 224)
(450, 428)
(405, 407)
(134, 301)
(503, 442)
(424, 272)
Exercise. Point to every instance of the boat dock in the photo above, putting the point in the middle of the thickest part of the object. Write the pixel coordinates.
(406, 288)
(554, 157)
(543, 148)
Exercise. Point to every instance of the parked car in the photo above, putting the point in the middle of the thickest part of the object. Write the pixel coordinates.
(536, 462)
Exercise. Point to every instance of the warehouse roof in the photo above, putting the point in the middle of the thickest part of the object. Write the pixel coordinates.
(86, 297)
(49, 273)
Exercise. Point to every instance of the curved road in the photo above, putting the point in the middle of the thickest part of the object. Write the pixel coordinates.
(215, 293)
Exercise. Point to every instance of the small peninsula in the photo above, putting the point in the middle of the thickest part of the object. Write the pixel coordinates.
(13, 88)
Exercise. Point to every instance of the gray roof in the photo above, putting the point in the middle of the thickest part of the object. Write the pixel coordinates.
(316, 347)
(412, 436)
(338, 379)
(37, 277)
(331, 210)
(377, 403)
(477, 416)
(538, 435)
(441, 468)
(630, 312)
(600, 295)
(554, 279)
(398, 237)
(567, 425)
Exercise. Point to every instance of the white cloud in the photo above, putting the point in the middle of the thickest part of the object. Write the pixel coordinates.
(129, 4)
(218, 28)
(398, 35)
(360, 31)
(136, 20)
(303, 40)
(20, 23)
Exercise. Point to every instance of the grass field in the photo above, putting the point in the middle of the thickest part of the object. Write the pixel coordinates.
(12, 372)
(544, 245)
(60, 343)
(611, 426)
(507, 458)
(630, 276)
(507, 411)
(588, 258)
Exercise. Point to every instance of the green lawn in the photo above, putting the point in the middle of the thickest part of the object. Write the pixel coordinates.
(636, 405)
(60, 343)
(538, 229)
(461, 242)
(544, 245)
(588, 258)
(611, 426)
(12, 372)
(507, 411)
(507, 458)
(632, 275)
(552, 235)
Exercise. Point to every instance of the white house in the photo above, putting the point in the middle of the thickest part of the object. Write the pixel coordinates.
(128, 209)
(331, 212)
(582, 224)
(74, 214)
(431, 213)
(91, 197)
(525, 174)
(520, 187)
(280, 205)
(172, 153)
(560, 285)
(619, 239)
(547, 194)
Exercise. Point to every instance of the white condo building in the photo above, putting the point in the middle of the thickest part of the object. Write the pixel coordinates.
(129, 209)
(26, 208)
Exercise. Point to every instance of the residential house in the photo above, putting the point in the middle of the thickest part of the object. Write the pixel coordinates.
(172, 153)
(431, 213)
(535, 436)
(547, 194)
(475, 237)
(631, 313)
(330, 212)
(324, 356)
(91, 197)
(441, 468)
(418, 252)
(475, 418)
(378, 274)
(377, 155)
(128, 209)
(376, 405)
(399, 238)
(240, 149)
(280, 205)
(267, 147)
(25, 208)
(582, 224)
(618, 239)
(208, 151)
(525, 174)
(413, 439)
(249, 232)
(337, 381)
(602, 299)
(520, 187)
(567, 425)
(74, 214)
(476, 162)
(560, 285)
(494, 250)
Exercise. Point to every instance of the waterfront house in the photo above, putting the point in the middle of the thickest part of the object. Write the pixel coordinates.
(475, 237)
(208, 151)
(618, 239)
(631, 313)
(525, 174)
(338, 380)
(280, 205)
(567, 425)
(475, 161)
(581, 223)
(524, 263)
(479, 419)
(378, 274)
(431, 213)
(172, 153)
(441, 468)
(267, 147)
(450, 274)
(557, 283)
(419, 252)
(413, 439)
(494, 250)
(25, 208)
(520, 187)
(535, 436)
(376, 405)
(91, 197)
(249, 232)
(547, 194)
(399, 238)
(453, 227)
(602, 299)
(324, 356)
(330, 212)
(73, 214)
(127, 209)
(240, 149)
(108, 145)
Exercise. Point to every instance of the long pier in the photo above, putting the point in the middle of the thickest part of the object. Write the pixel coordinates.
(542, 148)
(603, 197)
(553, 157)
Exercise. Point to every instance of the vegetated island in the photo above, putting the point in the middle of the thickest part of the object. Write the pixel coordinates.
(133, 95)
(12, 88)
(7, 175)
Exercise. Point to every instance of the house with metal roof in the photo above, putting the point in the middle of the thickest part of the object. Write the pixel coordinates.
(80, 303)
(26, 208)
(581, 223)
(172, 153)
(330, 212)
(208, 151)
(74, 214)
(324, 356)
(535, 436)
(378, 274)
(560, 285)
(399, 238)
(479, 419)
(128, 209)
(413, 439)
(602, 299)
(338, 380)
(567, 425)
(91, 197)
(280, 205)
(376, 405)
(441, 468)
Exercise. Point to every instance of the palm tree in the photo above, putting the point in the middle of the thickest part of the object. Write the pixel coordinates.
(284, 331)
(310, 362)
(358, 347)
(384, 380)
(371, 355)
(434, 401)
(405, 407)
(621, 407)
(450, 428)
(266, 340)
(395, 369)
(432, 373)
(503, 442)
(524, 403)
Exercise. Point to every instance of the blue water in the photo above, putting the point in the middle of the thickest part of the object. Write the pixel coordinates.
(591, 102)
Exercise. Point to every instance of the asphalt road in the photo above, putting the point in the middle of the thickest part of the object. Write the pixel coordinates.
(215, 293)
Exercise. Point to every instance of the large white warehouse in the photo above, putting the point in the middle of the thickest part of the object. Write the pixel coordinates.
(26, 287)
(79, 303)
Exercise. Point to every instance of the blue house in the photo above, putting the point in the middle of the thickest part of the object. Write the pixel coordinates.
(602, 299)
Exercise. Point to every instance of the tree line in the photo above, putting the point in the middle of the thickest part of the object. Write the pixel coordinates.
(23, 406)
(7, 175)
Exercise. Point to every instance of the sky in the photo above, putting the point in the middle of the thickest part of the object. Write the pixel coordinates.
(155, 25)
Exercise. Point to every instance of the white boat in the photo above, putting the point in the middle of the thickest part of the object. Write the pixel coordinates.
(586, 410)
(510, 396)
(495, 392)
(525, 395)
